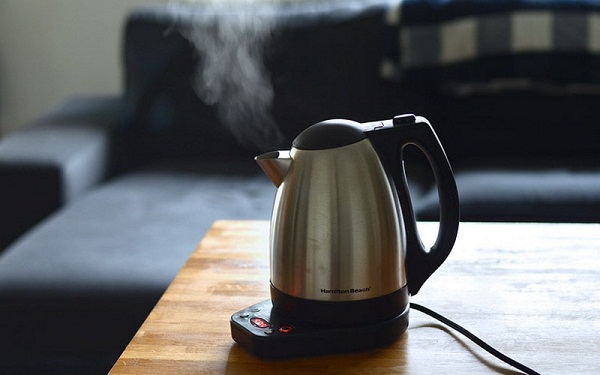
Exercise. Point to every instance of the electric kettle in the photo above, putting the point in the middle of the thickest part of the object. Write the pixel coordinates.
(345, 253)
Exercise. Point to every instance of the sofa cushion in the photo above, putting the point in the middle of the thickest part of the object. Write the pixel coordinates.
(87, 276)
(512, 194)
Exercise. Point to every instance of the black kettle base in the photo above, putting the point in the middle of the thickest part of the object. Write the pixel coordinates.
(267, 334)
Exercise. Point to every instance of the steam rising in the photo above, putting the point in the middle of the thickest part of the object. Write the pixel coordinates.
(230, 37)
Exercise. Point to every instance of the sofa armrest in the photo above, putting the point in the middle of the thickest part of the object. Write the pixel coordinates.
(57, 157)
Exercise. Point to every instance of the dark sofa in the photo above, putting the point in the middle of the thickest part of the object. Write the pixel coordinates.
(104, 198)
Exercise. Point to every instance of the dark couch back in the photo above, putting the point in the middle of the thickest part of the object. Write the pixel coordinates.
(323, 61)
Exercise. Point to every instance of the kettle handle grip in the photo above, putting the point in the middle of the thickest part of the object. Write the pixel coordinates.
(389, 142)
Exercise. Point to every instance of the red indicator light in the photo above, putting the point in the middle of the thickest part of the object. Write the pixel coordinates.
(259, 322)
(286, 329)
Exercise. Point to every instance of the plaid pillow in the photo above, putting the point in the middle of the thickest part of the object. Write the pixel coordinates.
(495, 45)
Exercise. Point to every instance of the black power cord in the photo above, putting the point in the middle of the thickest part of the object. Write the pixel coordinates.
(474, 338)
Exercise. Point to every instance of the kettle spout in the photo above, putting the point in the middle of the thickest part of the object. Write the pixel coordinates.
(275, 164)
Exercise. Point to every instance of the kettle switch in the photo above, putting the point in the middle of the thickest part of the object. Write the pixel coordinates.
(376, 125)
(259, 322)
(408, 118)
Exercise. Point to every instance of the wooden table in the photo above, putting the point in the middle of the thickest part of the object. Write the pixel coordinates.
(530, 290)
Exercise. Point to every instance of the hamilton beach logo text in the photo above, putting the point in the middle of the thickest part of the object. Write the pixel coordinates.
(345, 291)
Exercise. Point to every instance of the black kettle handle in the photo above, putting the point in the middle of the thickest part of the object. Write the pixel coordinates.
(389, 138)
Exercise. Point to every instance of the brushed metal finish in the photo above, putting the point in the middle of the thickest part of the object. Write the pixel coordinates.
(336, 230)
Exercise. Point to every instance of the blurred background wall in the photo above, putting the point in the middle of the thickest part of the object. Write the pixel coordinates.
(50, 49)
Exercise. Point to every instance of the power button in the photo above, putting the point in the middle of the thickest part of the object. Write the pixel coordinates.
(259, 323)
(408, 118)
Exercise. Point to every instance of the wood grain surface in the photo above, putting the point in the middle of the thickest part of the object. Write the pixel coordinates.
(530, 290)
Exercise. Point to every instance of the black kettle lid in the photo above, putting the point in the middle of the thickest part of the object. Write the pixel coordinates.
(329, 134)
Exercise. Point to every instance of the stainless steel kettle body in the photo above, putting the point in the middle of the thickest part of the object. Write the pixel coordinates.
(337, 234)
(339, 231)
